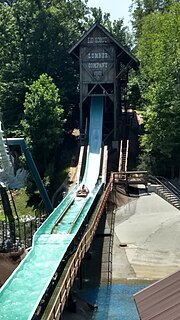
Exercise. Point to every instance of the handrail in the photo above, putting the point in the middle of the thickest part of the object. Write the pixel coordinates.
(126, 149)
(104, 165)
(170, 188)
(127, 152)
(79, 166)
(71, 272)
(120, 157)
(173, 188)
(128, 175)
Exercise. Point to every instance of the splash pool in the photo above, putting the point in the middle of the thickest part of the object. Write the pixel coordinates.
(113, 302)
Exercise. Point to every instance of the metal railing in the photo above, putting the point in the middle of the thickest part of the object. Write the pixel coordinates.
(120, 157)
(110, 251)
(167, 190)
(24, 231)
(123, 156)
(127, 152)
(171, 187)
(131, 176)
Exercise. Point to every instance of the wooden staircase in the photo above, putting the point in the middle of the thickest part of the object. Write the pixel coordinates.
(123, 157)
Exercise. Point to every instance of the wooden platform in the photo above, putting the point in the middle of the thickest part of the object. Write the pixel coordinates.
(131, 178)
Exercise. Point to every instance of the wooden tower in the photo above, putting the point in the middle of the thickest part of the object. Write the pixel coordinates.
(104, 65)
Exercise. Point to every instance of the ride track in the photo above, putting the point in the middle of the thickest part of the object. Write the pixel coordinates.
(23, 291)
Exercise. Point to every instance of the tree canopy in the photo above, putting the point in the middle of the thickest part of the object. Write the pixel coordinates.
(158, 49)
(142, 8)
(43, 120)
(35, 37)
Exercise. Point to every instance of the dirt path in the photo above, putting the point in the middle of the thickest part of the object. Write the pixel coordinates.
(8, 263)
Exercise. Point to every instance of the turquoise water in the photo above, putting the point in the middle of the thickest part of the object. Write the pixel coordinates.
(22, 292)
(24, 289)
(50, 221)
(95, 140)
(113, 302)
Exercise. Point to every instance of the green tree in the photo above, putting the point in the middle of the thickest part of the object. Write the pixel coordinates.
(159, 52)
(142, 8)
(116, 27)
(35, 37)
(43, 123)
(7, 2)
(10, 86)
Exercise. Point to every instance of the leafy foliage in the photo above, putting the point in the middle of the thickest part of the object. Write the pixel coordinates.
(43, 120)
(159, 53)
(142, 8)
(35, 37)
(117, 28)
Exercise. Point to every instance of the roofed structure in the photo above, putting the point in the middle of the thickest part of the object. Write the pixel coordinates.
(126, 56)
(104, 65)
(161, 300)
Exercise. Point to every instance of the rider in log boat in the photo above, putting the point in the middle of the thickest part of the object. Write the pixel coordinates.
(83, 191)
